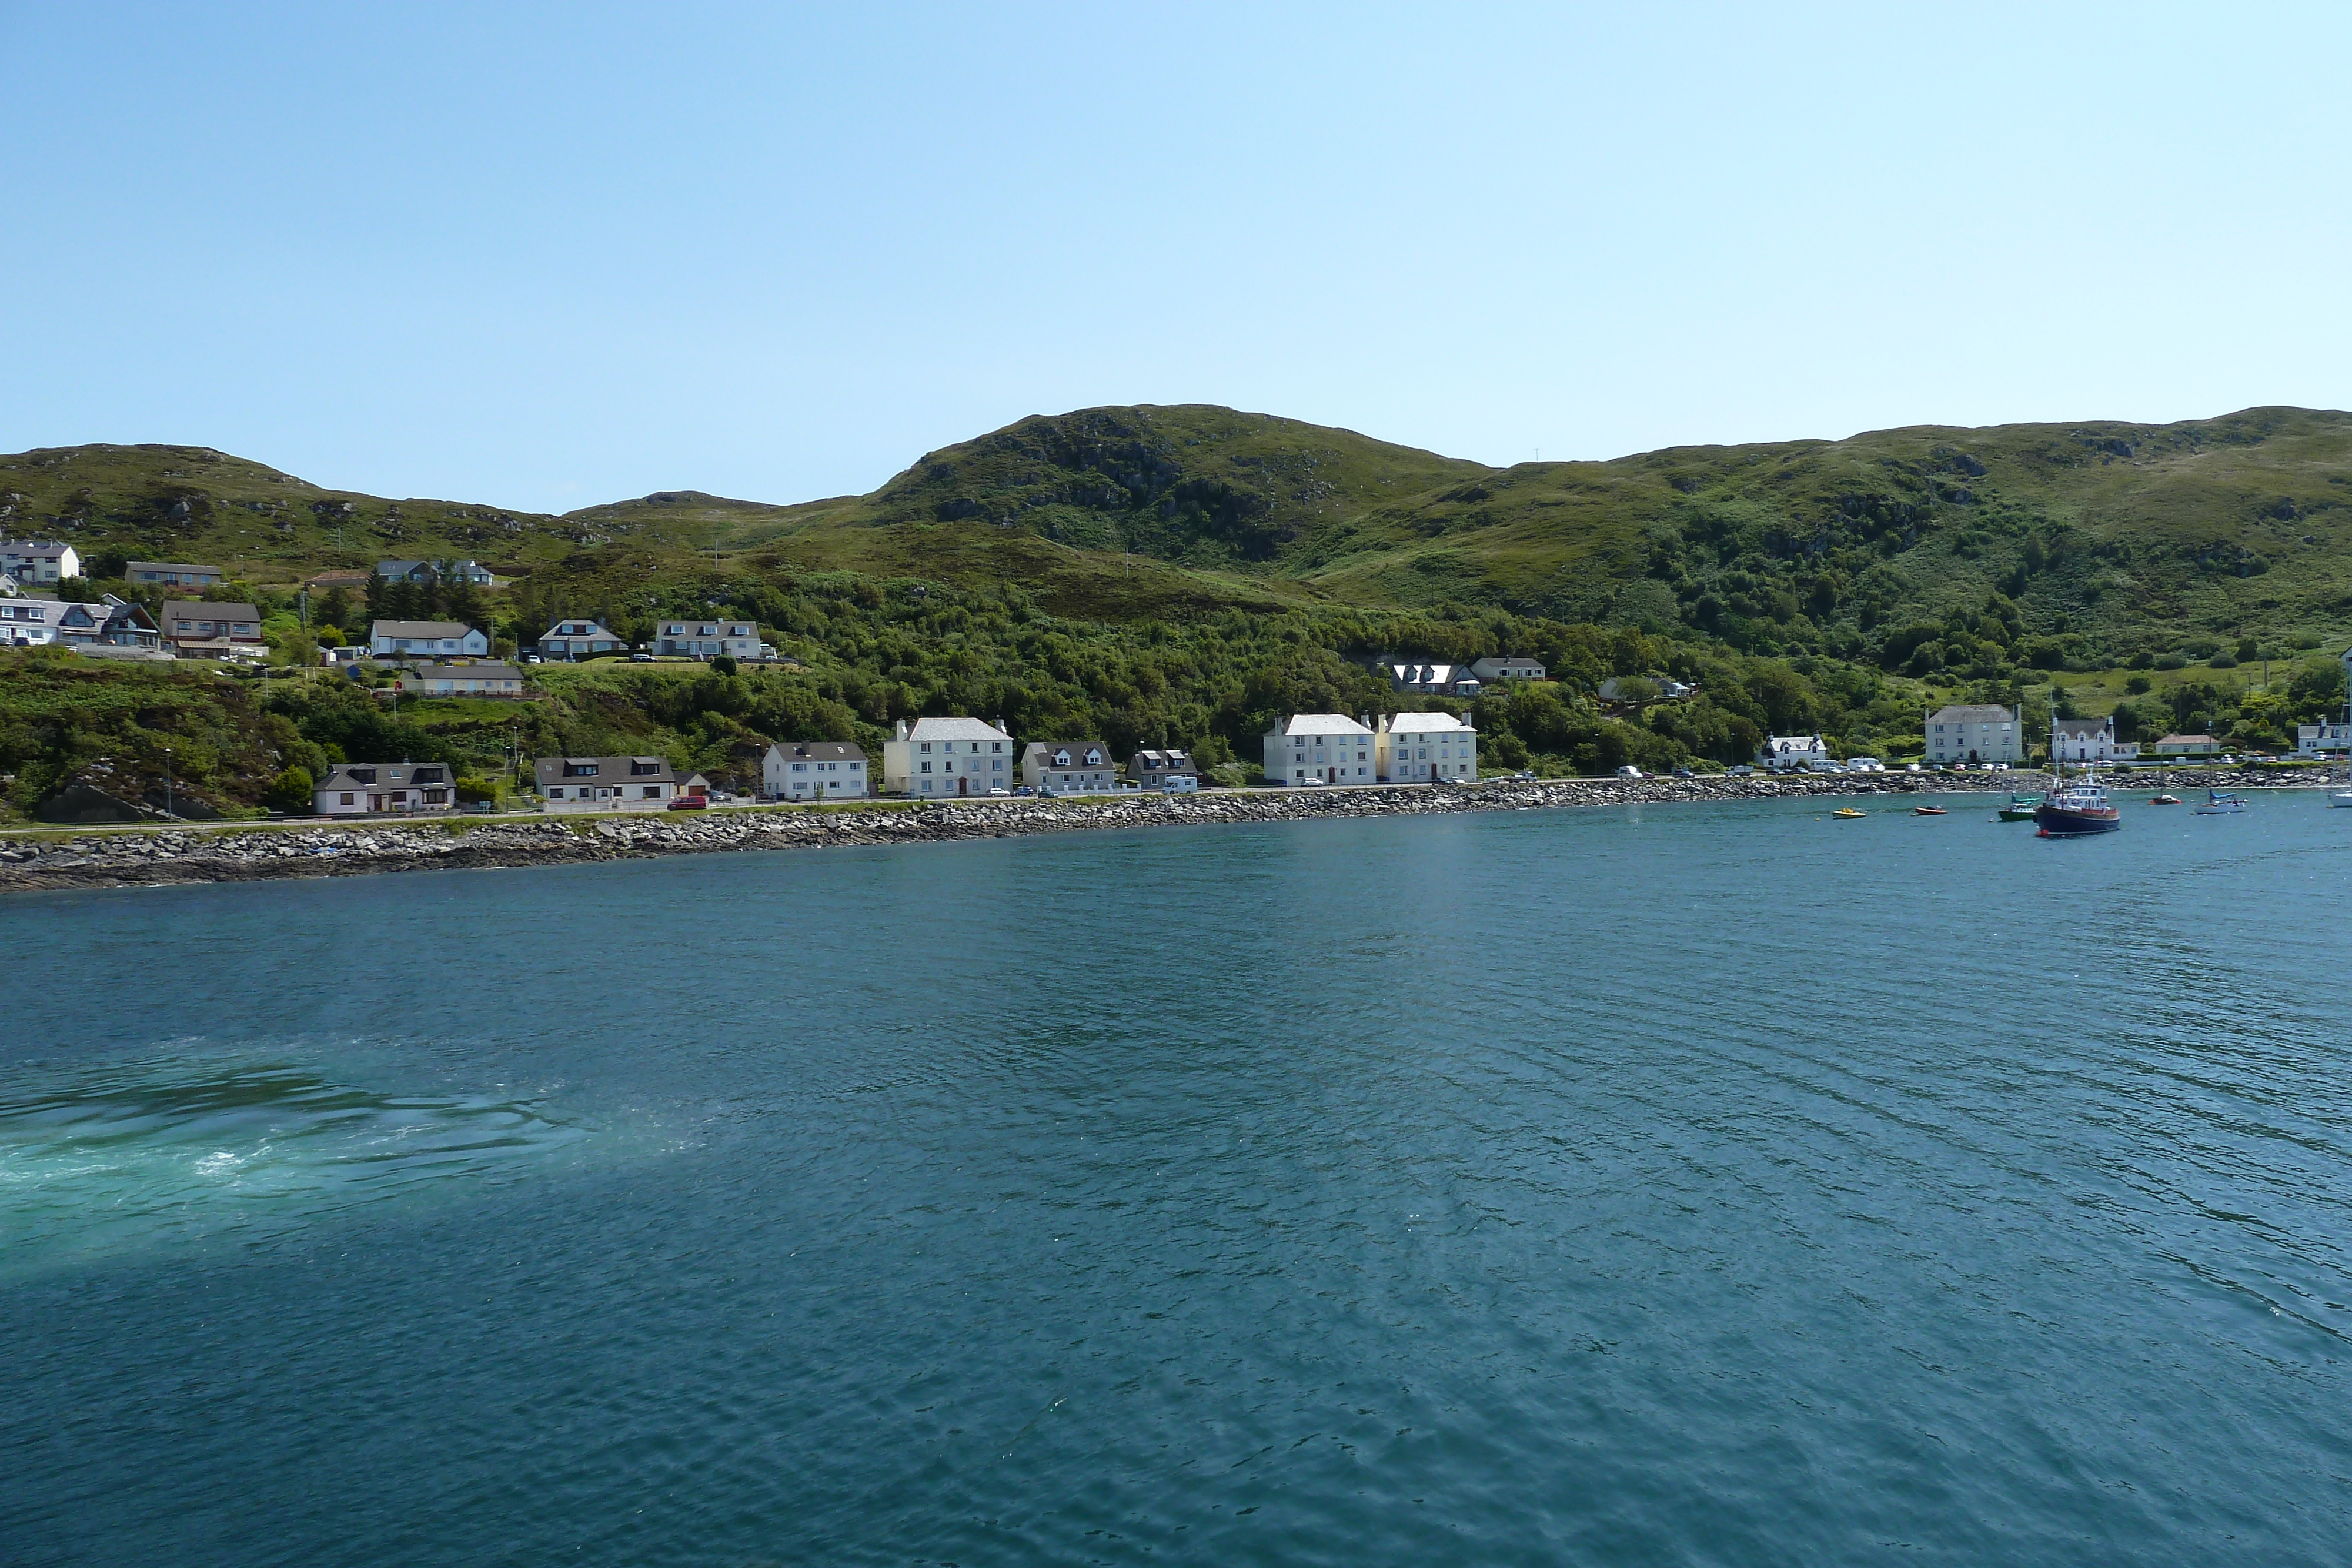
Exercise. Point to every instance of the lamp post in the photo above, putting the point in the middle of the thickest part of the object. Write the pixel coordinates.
(167, 783)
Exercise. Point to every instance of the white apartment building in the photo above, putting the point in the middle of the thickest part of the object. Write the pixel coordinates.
(428, 640)
(2088, 740)
(709, 640)
(39, 561)
(1785, 753)
(1424, 749)
(1070, 765)
(1972, 732)
(813, 770)
(1328, 747)
(936, 758)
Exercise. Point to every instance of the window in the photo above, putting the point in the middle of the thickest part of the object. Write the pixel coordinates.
(653, 791)
(927, 748)
(800, 767)
(352, 800)
(926, 768)
(992, 746)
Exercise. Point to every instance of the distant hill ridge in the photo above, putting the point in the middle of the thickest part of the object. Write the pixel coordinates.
(2092, 540)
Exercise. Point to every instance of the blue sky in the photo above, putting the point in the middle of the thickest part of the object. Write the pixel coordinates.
(547, 257)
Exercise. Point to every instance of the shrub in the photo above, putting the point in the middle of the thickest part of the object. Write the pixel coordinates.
(289, 793)
(2137, 684)
(2221, 661)
(2172, 662)
(724, 664)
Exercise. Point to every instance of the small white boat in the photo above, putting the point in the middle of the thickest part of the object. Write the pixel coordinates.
(2219, 805)
(2341, 798)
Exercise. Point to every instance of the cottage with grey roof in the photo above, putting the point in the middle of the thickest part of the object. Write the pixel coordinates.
(1156, 769)
(361, 789)
(198, 630)
(428, 640)
(605, 783)
(175, 574)
(1068, 767)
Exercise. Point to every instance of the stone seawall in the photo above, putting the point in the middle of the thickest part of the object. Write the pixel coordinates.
(144, 858)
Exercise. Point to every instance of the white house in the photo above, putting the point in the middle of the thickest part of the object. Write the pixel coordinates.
(1454, 680)
(1329, 747)
(2186, 746)
(1973, 732)
(427, 640)
(1783, 753)
(1424, 749)
(32, 561)
(356, 788)
(933, 758)
(814, 769)
(579, 639)
(2088, 740)
(605, 783)
(463, 681)
(709, 640)
(28, 623)
(2325, 738)
(1070, 765)
(1506, 667)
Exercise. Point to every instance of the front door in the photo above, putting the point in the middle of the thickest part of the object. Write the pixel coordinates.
(963, 784)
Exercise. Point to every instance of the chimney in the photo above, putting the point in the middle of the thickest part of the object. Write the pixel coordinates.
(901, 732)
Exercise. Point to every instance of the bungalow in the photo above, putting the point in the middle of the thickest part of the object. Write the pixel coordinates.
(709, 640)
(1974, 732)
(941, 756)
(426, 639)
(1068, 765)
(1330, 748)
(579, 639)
(1445, 680)
(605, 783)
(471, 571)
(39, 561)
(814, 769)
(175, 574)
(2088, 740)
(1426, 749)
(195, 627)
(1506, 667)
(2325, 738)
(353, 788)
(464, 681)
(1163, 769)
(1787, 753)
(2186, 746)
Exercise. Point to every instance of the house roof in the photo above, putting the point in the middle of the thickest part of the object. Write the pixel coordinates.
(1171, 761)
(197, 609)
(609, 770)
(339, 775)
(954, 729)
(1428, 723)
(818, 752)
(171, 565)
(467, 672)
(1792, 742)
(1320, 723)
(1046, 750)
(1970, 713)
(2080, 726)
(555, 627)
(38, 548)
(2201, 740)
(419, 631)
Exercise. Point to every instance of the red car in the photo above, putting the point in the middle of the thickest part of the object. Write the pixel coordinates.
(689, 803)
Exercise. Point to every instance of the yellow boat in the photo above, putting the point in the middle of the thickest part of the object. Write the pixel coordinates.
(1848, 811)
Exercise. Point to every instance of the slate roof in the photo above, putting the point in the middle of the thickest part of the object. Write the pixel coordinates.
(1321, 723)
(954, 729)
(419, 631)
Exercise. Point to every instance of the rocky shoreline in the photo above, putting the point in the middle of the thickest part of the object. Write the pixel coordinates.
(250, 853)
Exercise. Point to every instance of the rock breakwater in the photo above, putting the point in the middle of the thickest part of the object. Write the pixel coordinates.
(155, 857)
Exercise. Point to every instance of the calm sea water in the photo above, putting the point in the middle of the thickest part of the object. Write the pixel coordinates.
(1682, 1185)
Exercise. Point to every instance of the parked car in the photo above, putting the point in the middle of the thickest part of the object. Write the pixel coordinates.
(689, 803)
(1003, 792)
(641, 658)
(1311, 783)
(1524, 773)
(1024, 791)
(1684, 773)
(532, 658)
(1627, 771)
(1739, 770)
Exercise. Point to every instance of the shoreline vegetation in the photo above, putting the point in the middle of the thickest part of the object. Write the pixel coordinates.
(56, 859)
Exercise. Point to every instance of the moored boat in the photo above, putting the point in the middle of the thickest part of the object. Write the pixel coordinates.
(2020, 808)
(2073, 810)
(2165, 800)
(2219, 805)
(1928, 811)
(1848, 811)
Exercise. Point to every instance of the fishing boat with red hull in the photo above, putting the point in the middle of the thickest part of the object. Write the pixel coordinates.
(2074, 810)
